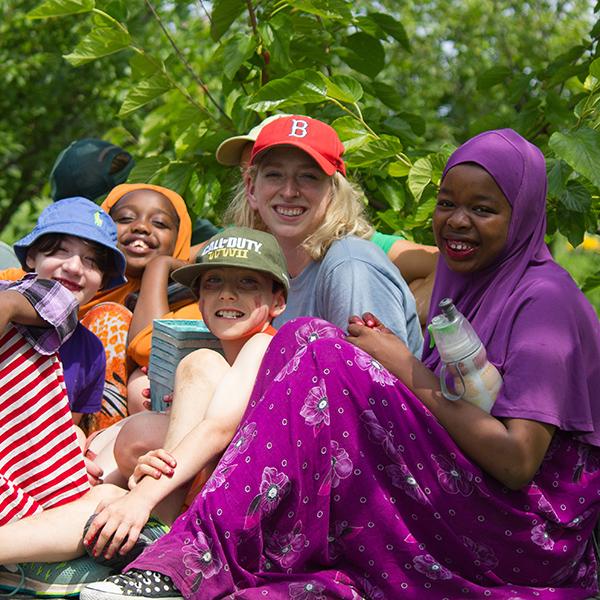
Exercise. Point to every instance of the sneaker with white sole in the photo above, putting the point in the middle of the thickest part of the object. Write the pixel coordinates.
(50, 580)
(143, 585)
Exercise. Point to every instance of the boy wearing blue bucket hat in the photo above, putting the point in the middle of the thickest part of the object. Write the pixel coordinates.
(74, 243)
(71, 254)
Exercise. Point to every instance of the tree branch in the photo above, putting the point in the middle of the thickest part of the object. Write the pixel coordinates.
(185, 62)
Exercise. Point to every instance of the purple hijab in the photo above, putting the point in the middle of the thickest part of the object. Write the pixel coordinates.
(537, 326)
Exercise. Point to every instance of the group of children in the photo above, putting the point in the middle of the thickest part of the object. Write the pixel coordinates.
(240, 281)
(88, 262)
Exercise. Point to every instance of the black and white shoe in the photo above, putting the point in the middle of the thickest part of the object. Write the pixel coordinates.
(144, 585)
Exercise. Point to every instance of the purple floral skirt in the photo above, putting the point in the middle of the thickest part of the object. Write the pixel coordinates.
(339, 483)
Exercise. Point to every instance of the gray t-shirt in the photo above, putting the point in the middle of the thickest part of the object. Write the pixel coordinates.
(354, 277)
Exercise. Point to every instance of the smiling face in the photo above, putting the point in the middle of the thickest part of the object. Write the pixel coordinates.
(147, 226)
(291, 194)
(471, 219)
(236, 302)
(73, 262)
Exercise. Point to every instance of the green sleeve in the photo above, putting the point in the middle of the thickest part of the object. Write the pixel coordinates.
(385, 241)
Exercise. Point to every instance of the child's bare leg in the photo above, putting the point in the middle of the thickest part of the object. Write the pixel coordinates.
(139, 434)
(196, 378)
(55, 534)
(80, 436)
(101, 450)
(136, 383)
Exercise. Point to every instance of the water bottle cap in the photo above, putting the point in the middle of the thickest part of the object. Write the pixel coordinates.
(454, 337)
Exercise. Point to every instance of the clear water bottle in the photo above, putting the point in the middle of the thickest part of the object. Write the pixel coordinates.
(466, 372)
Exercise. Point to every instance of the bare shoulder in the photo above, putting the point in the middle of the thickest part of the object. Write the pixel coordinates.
(255, 347)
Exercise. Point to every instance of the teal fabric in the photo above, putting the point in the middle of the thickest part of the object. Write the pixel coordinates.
(385, 241)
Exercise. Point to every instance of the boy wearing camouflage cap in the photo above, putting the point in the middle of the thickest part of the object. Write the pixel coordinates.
(240, 278)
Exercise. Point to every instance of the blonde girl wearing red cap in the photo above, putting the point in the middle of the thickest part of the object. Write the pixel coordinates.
(297, 190)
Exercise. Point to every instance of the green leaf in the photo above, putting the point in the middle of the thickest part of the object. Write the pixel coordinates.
(576, 197)
(364, 54)
(419, 177)
(143, 65)
(147, 168)
(591, 282)
(236, 51)
(344, 88)
(398, 169)
(352, 132)
(327, 9)
(300, 87)
(424, 211)
(100, 42)
(393, 193)
(189, 141)
(595, 68)
(206, 190)
(61, 8)
(392, 27)
(580, 149)
(572, 225)
(177, 176)
(558, 174)
(276, 34)
(224, 13)
(492, 77)
(145, 91)
(389, 95)
(374, 151)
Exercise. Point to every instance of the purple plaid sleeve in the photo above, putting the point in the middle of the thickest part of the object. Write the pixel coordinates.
(54, 303)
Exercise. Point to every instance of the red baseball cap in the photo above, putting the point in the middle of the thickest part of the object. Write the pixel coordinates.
(319, 140)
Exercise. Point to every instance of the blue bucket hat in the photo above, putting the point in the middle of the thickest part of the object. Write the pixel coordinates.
(80, 218)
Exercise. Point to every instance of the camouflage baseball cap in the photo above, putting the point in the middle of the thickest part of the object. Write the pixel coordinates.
(238, 247)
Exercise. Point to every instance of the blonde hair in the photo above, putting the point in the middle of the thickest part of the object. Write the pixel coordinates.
(345, 215)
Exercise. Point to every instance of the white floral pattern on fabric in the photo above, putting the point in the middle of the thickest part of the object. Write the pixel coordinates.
(306, 591)
(428, 566)
(199, 559)
(379, 374)
(339, 532)
(540, 535)
(371, 591)
(341, 468)
(240, 442)
(484, 555)
(453, 478)
(224, 469)
(217, 478)
(284, 548)
(315, 409)
(402, 478)
(305, 335)
(379, 435)
(274, 486)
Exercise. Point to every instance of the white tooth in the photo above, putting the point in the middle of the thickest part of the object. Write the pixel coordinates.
(229, 314)
(290, 211)
(458, 245)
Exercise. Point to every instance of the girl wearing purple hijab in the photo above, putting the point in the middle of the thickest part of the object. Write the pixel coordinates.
(352, 477)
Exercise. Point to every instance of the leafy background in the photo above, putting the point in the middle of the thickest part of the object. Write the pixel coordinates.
(403, 83)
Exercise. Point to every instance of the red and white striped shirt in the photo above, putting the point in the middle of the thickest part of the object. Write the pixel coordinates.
(41, 464)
